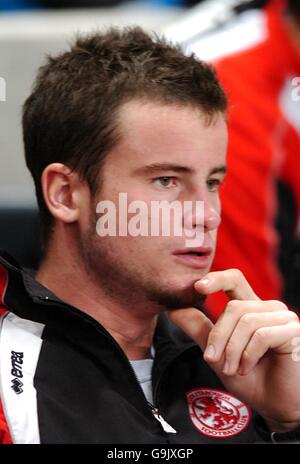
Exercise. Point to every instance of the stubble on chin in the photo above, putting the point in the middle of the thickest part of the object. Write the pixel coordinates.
(176, 300)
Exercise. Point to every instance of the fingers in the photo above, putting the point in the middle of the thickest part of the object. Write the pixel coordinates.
(246, 329)
(231, 281)
(194, 323)
(236, 312)
(279, 338)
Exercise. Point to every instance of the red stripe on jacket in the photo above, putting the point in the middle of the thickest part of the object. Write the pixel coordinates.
(5, 437)
(3, 287)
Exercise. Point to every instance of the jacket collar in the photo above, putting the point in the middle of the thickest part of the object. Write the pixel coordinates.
(28, 298)
(31, 286)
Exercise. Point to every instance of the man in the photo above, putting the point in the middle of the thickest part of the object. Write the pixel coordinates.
(256, 53)
(89, 349)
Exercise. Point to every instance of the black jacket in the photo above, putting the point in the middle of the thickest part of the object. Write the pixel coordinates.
(87, 392)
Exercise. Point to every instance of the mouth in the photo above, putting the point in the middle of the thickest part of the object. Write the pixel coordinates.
(198, 258)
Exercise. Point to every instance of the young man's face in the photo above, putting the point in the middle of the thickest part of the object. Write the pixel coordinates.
(166, 153)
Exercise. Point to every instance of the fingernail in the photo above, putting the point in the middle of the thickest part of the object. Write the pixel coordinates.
(204, 281)
(210, 352)
(226, 367)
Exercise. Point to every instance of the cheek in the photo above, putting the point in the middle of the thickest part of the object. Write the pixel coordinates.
(143, 251)
(87, 218)
(217, 209)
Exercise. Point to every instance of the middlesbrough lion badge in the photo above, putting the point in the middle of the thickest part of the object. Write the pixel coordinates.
(216, 413)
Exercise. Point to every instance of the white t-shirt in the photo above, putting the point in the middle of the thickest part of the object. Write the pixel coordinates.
(143, 371)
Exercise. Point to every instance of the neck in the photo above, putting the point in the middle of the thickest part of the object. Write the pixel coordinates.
(130, 321)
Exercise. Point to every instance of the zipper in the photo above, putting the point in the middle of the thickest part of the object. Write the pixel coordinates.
(155, 411)
(165, 425)
(153, 407)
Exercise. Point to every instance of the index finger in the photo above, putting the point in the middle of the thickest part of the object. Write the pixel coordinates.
(230, 281)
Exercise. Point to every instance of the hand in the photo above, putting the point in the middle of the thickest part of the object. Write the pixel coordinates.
(250, 347)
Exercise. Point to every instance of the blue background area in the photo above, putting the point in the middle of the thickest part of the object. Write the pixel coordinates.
(16, 5)
(164, 2)
(13, 5)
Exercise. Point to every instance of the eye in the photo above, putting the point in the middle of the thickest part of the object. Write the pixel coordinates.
(214, 184)
(165, 181)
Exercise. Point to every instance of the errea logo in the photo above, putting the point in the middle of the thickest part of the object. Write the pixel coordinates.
(17, 386)
(17, 359)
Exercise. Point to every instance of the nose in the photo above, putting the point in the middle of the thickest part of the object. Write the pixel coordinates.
(203, 214)
(212, 217)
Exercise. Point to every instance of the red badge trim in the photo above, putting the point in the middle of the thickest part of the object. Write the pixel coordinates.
(216, 413)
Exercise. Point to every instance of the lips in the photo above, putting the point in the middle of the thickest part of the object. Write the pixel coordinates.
(197, 251)
(199, 257)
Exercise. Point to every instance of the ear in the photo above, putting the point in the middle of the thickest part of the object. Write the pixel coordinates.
(61, 189)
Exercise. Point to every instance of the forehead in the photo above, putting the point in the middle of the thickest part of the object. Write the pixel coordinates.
(153, 132)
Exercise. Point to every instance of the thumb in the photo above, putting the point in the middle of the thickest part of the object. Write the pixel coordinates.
(194, 323)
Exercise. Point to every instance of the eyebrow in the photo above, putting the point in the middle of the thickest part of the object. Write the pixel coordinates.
(219, 170)
(158, 167)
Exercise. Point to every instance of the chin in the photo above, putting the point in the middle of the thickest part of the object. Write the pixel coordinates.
(179, 297)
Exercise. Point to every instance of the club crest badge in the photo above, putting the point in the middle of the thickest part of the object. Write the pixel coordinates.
(216, 413)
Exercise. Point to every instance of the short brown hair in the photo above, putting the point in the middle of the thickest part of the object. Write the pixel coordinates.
(70, 116)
